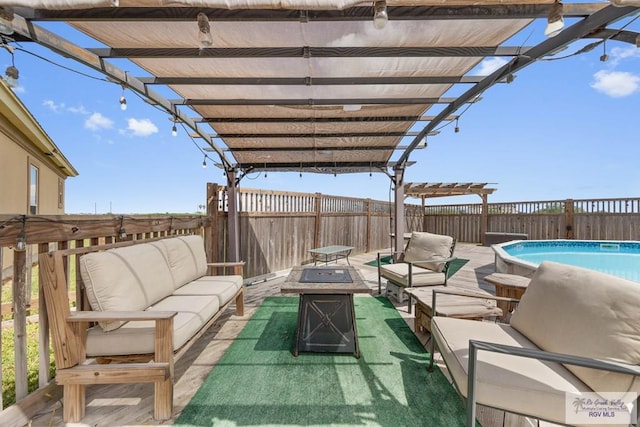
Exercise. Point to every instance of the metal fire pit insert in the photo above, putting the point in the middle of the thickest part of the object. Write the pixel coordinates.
(325, 275)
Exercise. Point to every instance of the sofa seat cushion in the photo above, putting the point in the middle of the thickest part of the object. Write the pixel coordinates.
(427, 246)
(223, 287)
(124, 279)
(138, 337)
(399, 274)
(521, 385)
(186, 258)
(598, 315)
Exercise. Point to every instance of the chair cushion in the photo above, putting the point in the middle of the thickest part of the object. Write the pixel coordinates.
(424, 246)
(127, 278)
(399, 274)
(583, 312)
(515, 384)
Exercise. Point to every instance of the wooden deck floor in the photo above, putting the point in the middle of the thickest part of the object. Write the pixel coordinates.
(132, 405)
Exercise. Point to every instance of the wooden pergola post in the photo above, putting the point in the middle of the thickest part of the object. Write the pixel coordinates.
(232, 219)
(398, 179)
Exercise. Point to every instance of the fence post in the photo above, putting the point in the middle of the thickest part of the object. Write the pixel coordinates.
(484, 220)
(20, 322)
(569, 218)
(367, 245)
(316, 232)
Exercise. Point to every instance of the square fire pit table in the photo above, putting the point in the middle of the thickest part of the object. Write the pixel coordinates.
(326, 315)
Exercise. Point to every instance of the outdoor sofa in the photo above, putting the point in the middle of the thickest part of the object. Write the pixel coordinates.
(150, 301)
(574, 333)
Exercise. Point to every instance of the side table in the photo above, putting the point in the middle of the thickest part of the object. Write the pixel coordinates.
(509, 286)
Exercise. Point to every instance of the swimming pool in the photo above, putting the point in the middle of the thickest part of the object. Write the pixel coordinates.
(619, 258)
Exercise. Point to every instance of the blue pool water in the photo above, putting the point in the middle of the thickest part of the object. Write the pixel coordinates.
(617, 258)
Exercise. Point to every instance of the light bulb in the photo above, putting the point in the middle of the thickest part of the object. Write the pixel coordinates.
(204, 164)
(174, 131)
(555, 22)
(11, 75)
(123, 103)
(21, 242)
(380, 16)
(204, 31)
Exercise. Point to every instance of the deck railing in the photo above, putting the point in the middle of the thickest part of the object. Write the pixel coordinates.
(276, 231)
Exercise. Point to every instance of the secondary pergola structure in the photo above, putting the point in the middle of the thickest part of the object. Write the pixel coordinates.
(429, 190)
(311, 85)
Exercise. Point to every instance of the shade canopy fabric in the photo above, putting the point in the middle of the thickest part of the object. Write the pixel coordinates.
(309, 85)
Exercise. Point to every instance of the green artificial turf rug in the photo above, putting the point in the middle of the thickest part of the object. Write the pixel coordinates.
(258, 381)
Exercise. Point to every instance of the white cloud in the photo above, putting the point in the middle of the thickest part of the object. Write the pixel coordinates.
(143, 127)
(51, 105)
(620, 53)
(78, 110)
(616, 83)
(489, 65)
(97, 121)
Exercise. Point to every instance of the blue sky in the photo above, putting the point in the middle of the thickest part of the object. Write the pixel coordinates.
(563, 129)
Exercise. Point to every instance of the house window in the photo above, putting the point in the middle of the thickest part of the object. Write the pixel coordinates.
(60, 193)
(33, 189)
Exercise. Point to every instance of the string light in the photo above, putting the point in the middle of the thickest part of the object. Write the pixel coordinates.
(204, 31)
(11, 73)
(122, 233)
(174, 130)
(204, 162)
(380, 16)
(457, 128)
(555, 22)
(604, 57)
(123, 100)
(21, 241)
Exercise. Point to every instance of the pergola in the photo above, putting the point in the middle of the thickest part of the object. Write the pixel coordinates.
(311, 85)
(428, 190)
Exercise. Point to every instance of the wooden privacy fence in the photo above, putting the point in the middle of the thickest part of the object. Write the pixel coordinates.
(586, 219)
(277, 229)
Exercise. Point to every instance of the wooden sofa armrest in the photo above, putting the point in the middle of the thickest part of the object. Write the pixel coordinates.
(470, 294)
(587, 362)
(238, 266)
(125, 316)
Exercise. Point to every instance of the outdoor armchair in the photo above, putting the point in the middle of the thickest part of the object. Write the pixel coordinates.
(425, 262)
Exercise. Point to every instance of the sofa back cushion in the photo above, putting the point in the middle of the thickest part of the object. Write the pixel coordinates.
(186, 258)
(582, 312)
(424, 246)
(127, 278)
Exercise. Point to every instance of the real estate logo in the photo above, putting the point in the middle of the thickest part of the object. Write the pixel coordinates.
(601, 408)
